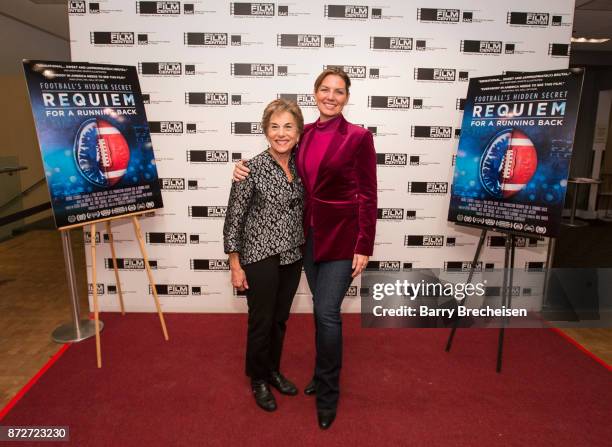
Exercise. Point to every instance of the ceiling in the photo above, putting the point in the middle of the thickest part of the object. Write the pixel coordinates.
(593, 18)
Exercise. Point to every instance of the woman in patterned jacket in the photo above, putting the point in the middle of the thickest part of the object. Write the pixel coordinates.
(263, 236)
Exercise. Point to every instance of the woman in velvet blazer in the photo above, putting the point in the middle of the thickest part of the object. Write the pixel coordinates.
(341, 207)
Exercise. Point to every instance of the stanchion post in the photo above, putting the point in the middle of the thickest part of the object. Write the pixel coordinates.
(78, 329)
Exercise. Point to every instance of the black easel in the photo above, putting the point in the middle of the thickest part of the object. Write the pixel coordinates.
(509, 256)
(506, 289)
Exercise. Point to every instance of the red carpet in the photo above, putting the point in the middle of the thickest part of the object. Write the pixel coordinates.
(399, 388)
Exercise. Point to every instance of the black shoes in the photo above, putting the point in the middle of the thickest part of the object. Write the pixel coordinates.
(263, 395)
(326, 418)
(311, 388)
(280, 382)
(265, 398)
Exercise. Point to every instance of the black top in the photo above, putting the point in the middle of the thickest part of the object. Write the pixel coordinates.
(264, 213)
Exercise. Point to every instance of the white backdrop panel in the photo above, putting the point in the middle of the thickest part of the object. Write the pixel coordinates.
(393, 49)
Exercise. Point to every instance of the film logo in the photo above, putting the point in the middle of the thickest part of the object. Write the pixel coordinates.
(167, 238)
(384, 266)
(77, 7)
(172, 184)
(390, 213)
(206, 39)
(462, 266)
(391, 43)
(528, 18)
(209, 264)
(252, 70)
(247, 128)
(481, 46)
(298, 40)
(428, 240)
(171, 289)
(129, 263)
(389, 102)
(158, 8)
(207, 156)
(160, 68)
(207, 98)
(438, 15)
(111, 38)
(301, 99)
(346, 11)
(354, 71)
(392, 159)
(428, 187)
(208, 212)
(252, 9)
(166, 127)
(435, 74)
(431, 132)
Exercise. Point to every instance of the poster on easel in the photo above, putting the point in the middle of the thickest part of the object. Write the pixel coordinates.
(94, 140)
(514, 152)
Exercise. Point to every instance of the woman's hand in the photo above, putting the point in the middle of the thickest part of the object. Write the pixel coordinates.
(239, 280)
(359, 264)
(240, 171)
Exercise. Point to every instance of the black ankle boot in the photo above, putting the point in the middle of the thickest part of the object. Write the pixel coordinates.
(311, 388)
(326, 418)
(280, 382)
(263, 395)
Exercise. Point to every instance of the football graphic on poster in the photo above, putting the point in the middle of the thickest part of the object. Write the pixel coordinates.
(508, 163)
(101, 152)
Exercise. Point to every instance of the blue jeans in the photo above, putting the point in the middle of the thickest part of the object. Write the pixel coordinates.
(328, 281)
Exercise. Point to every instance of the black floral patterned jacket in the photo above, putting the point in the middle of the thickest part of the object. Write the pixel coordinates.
(264, 213)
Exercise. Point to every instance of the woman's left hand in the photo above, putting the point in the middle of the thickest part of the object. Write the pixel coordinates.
(359, 264)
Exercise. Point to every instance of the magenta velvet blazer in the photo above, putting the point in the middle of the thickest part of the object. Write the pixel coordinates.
(342, 206)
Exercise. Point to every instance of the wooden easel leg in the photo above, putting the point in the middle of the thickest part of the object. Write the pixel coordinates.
(117, 280)
(149, 274)
(94, 281)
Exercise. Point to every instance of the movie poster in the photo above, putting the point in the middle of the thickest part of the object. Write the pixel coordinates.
(514, 153)
(94, 140)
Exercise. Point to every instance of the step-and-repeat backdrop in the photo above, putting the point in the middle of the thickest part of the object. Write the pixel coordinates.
(207, 69)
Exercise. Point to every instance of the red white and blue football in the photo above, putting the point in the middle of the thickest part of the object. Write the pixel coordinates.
(101, 152)
(508, 163)
(519, 164)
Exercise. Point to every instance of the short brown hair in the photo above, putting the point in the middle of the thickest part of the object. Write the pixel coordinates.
(333, 71)
(282, 105)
